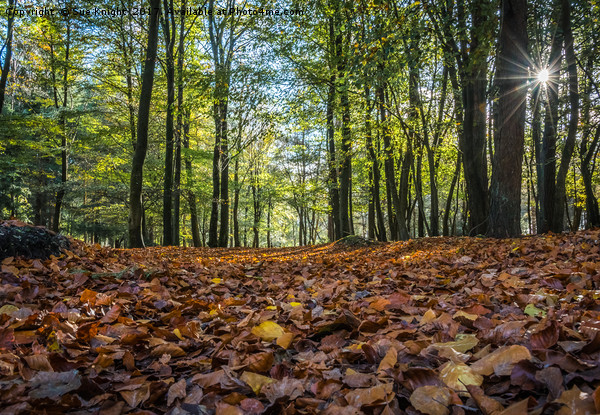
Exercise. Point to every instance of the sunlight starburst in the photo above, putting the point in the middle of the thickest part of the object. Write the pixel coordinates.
(543, 76)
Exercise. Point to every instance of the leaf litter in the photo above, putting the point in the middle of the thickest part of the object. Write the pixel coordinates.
(431, 326)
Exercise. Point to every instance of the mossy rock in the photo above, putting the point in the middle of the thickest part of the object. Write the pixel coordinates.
(33, 242)
(355, 241)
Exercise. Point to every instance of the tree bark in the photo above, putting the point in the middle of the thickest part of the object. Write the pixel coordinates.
(137, 168)
(169, 32)
(511, 76)
(64, 167)
(7, 56)
(569, 145)
(178, 131)
(546, 183)
(334, 196)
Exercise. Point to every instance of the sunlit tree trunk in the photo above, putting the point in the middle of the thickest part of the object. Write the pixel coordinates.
(7, 55)
(137, 168)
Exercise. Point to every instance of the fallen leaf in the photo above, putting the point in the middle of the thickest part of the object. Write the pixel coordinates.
(268, 331)
(458, 376)
(379, 394)
(137, 396)
(176, 390)
(501, 361)
(431, 400)
(54, 384)
(256, 381)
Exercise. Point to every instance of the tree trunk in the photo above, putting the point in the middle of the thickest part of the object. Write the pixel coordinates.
(60, 194)
(334, 196)
(137, 168)
(7, 55)
(397, 220)
(346, 143)
(455, 177)
(169, 31)
(511, 76)
(569, 145)
(546, 183)
(224, 228)
(179, 131)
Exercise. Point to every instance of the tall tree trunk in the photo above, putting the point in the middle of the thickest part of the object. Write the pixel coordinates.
(397, 219)
(334, 196)
(509, 138)
(178, 130)
(190, 194)
(169, 31)
(546, 183)
(64, 167)
(569, 145)
(376, 221)
(346, 143)
(213, 236)
(588, 150)
(137, 168)
(7, 55)
(224, 228)
(236, 203)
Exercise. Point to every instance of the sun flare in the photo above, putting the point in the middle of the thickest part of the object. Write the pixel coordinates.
(543, 76)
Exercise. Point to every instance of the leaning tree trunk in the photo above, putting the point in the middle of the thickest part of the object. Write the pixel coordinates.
(137, 168)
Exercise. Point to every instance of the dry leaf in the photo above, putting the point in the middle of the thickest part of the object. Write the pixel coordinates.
(431, 400)
(501, 361)
(268, 331)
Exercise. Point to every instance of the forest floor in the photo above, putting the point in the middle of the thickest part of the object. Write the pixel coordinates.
(437, 325)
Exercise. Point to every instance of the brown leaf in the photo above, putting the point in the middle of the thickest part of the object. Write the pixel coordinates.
(176, 390)
(431, 400)
(168, 348)
(576, 402)
(389, 360)
(226, 409)
(39, 362)
(486, 404)
(501, 361)
(545, 337)
(112, 315)
(285, 389)
(379, 394)
(137, 396)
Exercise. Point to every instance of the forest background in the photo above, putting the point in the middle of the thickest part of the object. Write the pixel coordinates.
(389, 120)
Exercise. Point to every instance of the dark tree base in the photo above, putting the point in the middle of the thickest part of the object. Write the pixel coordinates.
(20, 239)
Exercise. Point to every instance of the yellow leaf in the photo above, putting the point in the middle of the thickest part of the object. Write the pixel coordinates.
(457, 375)
(216, 280)
(8, 309)
(271, 307)
(268, 331)
(178, 334)
(256, 381)
(462, 344)
(295, 304)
